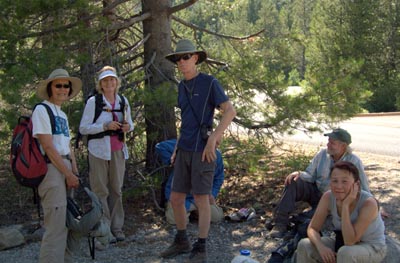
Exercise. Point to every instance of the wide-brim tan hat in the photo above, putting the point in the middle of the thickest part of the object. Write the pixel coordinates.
(185, 46)
(76, 83)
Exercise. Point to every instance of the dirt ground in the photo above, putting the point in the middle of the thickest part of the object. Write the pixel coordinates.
(149, 233)
(240, 189)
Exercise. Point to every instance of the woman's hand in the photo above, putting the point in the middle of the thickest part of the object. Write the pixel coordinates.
(352, 196)
(113, 126)
(72, 181)
(327, 254)
(125, 127)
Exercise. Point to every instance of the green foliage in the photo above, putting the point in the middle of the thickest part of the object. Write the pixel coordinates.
(297, 160)
(252, 11)
(344, 55)
(244, 154)
(350, 40)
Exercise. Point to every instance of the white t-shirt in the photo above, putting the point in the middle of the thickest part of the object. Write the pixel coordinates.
(41, 125)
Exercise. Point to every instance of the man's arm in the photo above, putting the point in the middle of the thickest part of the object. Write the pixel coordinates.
(228, 113)
(311, 170)
(315, 226)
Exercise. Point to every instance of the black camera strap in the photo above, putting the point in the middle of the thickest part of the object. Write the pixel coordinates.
(205, 103)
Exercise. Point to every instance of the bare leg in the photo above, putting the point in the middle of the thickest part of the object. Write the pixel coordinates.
(203, 205)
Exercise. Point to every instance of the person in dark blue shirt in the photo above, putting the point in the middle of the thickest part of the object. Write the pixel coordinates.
(194, 155)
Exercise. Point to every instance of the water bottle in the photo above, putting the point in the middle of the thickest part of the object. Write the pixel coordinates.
(244, 257)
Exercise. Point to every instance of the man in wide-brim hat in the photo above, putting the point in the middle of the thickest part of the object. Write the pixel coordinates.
(199, 95)
(62, 171)
(186, 47)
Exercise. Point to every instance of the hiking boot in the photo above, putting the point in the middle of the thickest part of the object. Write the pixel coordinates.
(269, 224)
(276, 258)
(100, 246)
(112, 239)
(198, 254)
(178, 247)
(278, 231)
(119, 236)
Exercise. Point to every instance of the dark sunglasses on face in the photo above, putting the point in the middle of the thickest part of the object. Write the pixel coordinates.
(184, 57)
(65, 86)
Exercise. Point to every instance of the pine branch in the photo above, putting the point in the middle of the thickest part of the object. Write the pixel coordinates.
(182, 6)
(195, 27)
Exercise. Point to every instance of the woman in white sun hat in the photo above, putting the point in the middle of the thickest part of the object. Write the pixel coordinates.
(58, 88)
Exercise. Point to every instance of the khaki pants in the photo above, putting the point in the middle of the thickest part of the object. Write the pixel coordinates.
(106, 180)
(53, 195)
(360, 253)
(217, 214)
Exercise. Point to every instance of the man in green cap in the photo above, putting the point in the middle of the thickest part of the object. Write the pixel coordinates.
(309, 185)
(194, 156)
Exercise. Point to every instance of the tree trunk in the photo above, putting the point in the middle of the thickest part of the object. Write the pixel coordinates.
(159, 114)
(87, 68)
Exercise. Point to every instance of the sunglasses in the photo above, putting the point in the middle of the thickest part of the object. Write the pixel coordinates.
(65, 86)
(184, 57)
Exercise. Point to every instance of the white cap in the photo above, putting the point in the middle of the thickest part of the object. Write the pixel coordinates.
(107, 73)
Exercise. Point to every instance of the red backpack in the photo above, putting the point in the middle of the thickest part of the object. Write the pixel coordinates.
(28, 164)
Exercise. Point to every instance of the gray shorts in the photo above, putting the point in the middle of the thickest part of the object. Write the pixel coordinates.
(191, 175)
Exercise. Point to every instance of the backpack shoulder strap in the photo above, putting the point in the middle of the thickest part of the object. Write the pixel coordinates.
(122, 106)
(51, 116)
(123, 102)
(99, 104)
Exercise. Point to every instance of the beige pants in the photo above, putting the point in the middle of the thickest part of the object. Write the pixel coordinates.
(217, 214)
(53, 195)
(106, 180)
(360, 253)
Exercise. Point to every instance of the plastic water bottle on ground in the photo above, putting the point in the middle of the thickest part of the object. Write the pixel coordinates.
(244, 257)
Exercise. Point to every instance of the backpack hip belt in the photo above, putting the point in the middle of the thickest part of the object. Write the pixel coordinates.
(67, 157)
(102, 134)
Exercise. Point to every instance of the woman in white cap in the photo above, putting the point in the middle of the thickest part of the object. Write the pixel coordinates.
(107, 148)
(62, 169)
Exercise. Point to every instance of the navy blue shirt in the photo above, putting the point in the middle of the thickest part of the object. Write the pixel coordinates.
(197, 99)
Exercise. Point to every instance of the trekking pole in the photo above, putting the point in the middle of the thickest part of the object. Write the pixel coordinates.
(125, 120)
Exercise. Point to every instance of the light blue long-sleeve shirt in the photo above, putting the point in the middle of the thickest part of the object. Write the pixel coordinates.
(101, 147)
(318, 171)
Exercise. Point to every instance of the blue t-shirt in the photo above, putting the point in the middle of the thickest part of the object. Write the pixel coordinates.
(197, 99)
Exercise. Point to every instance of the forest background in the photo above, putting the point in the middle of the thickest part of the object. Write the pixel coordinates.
(286, 64)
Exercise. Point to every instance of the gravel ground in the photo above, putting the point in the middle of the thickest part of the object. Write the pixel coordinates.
(225, 241)
(153, 234)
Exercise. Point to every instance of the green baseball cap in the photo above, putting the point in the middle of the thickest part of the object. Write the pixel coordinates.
(340, 135)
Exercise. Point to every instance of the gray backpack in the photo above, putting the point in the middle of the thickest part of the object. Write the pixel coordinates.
(85, 223)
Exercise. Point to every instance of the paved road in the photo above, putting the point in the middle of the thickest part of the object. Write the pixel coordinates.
(372, 134)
